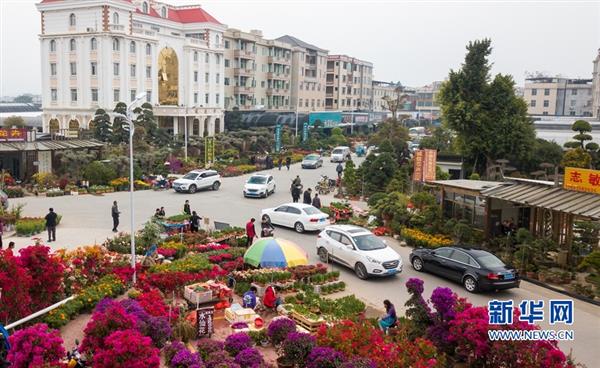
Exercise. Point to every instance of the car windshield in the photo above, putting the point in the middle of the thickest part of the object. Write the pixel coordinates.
(311, 211)
(190, 176)
(490, 261)
(337, 151)
(311, 157)
(369, 242)
(257, 180)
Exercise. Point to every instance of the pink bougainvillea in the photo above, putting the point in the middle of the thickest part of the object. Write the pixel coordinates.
(15, 283)
(35, 347)
(104, 323)
(127, 349)
(46, 271)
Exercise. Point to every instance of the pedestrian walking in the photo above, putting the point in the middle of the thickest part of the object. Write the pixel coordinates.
(316, 202)
(340, 170)
(195, 222)
(307, 196)
(288, 162)
(279, 162)
(51, 225)
(186, 208)
(296, 191)
(115, 216)
(250, 232)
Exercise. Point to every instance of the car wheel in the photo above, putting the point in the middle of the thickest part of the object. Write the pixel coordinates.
(299, 227)
(470, 284)
(273, 191)
(192, 189)
(216, 185)
(323, 255)
(361, 271)
(417, 264)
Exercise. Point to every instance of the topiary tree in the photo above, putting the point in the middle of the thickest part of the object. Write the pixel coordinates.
(577, 157)
(350, 181)
(102, 126)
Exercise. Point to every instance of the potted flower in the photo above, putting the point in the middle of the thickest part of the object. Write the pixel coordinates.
(296, 347)
(279, 328)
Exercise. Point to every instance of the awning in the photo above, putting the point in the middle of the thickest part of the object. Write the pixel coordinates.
(548, 196)
(50, 145)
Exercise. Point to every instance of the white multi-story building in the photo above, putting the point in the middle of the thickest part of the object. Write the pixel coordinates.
(96, 53)
(348, 83)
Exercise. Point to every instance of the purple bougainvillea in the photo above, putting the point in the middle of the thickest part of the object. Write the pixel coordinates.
(237, 342)
(324, 357)
(249, 358)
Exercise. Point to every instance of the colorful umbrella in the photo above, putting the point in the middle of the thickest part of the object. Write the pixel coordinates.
(275, 252)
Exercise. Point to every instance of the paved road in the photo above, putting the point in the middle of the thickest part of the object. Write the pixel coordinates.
(86, 220)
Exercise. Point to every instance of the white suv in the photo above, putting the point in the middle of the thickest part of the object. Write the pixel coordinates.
(198, 179)
(358, 249)
(340, 154)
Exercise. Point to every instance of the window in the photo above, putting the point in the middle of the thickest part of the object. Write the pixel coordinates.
(72, 45)
(94, 94)
(148, 49)
(195, 97)
(572, 113)
(574, 92)
(546, 103)
(116, 45)
(148, 72)
(132, 47)
(195, 55)
(73, 94)
(53, 46)
(195, 76)
(546, 91)
(53, 94)
(93, 68)
(532, 103)
(227, 63)
(52, 68)
(300, 102)
(132, 94)
(226, 44)
(443, 252)
(116, 94)
(262, 84)
(218, 78)
(73, 68)
(163, 12)
(533, 91)
(148, 96)
(226, 81)
(545, 113)
(132, 70)
(206, 98)
(115, 18)
(206, 77)
(145, 7)
(93, 44)
(206, 58)
(116, 69)
(72, 20)
(573, 102)
(217, 40)
(218, 59)
(306, 103)
(461, 257)
(217, 98)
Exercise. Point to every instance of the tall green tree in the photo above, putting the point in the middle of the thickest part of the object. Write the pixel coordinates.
(391, 137)
(440, 140)
(489, 119)
(14, 121)
(120, 126)
(378, 171)
(350, 180)
(102, 126)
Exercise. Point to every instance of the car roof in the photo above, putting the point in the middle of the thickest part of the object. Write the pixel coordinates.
(350, 229)
(472, 251)
(200, 171)
(342, 147)
(295, 204)
(261, 174)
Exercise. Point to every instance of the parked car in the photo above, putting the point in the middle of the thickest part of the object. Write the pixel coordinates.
(340, 154)
(312, 161)
(359, 249)
(198, 179)
(259, 185)
(476, 269)
(299, 216)
(3, 199)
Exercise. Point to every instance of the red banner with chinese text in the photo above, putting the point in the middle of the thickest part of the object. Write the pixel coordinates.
(13, 135)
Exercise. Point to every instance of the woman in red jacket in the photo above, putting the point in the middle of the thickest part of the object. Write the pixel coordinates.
(271, 300)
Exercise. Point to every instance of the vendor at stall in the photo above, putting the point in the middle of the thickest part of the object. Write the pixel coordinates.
(250, 300)
(271, 300)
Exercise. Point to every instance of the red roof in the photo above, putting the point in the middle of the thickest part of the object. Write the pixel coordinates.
(186, 15)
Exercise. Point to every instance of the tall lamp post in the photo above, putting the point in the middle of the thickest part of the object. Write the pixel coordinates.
(129, 119)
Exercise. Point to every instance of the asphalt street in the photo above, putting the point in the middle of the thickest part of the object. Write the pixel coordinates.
(86, 220)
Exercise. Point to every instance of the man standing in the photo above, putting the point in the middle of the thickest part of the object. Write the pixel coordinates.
(186, 208)
(288, 162)
(316, 202)
(115, 216)
(51, 225)
(250, 232)
(340, 170)
(307, 198)
(194, 222)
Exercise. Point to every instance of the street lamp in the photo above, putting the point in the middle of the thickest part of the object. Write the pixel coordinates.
(128, 117)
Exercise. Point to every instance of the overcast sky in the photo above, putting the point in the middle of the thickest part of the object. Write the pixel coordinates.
(414, 42)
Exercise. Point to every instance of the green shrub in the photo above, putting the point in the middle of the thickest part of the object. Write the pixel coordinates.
(28, 226)
(14, 192)
(99, 173)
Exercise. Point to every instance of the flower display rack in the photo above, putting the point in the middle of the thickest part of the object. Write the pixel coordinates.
(311, 325)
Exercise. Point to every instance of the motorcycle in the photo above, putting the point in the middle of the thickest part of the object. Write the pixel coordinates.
(325, 185)
(75, 359)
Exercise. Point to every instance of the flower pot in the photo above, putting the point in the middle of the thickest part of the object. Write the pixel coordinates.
(542, 277)
(531, 275)
(283, 363)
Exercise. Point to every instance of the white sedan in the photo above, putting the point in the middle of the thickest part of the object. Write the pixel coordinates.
(259, 186)
(299, 216)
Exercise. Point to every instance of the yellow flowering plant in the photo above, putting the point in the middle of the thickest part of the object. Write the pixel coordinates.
(417, 238)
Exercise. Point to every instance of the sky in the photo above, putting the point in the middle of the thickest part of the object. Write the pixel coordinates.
(414, 42)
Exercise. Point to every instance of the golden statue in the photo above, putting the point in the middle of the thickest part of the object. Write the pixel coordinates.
(168, 77)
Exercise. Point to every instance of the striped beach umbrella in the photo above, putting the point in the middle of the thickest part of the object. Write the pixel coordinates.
(275, 252)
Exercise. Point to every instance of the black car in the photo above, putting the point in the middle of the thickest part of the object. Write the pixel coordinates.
(476, 269)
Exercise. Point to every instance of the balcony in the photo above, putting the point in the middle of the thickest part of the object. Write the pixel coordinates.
(243, 90)
(117, 27)
(329, 95)
(245, 72)
(278, 60)
(244, 54)
(330, 82)
(280, 76)
(190, 41)
(278, 91)
(143, 32)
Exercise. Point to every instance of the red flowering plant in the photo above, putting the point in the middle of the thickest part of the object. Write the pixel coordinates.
(86, 265)
(382, 230)
(15, 283)
(46, 271)
(127, 349)
(169, 282)
(153, 303)
(203, 248)
(35, 347)
(111, 317)
(167, 252)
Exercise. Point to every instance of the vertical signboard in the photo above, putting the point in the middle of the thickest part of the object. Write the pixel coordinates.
(305, 132)
(209, 151)
(418, 165)
(278, 138)
(205, 318)
(424, 165)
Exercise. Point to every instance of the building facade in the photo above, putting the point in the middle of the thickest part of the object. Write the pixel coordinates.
(379, 92)
(557, 96)
(596, 87)
(308, 73)
(97, 53)
(425, 101)
(257, 72)
(348, 83)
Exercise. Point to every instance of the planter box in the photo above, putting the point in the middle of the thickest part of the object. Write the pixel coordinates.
(246, 315)
(197, 297)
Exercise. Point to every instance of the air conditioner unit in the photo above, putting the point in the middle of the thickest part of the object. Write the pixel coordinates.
(90, 29)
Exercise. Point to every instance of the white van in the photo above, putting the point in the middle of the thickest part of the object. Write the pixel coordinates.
(416, 132)
(340, 154)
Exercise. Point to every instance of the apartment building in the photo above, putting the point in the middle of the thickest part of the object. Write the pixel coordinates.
(348, 83)
(425, 100)
(379, 91)
(558, 96)
(309, 64)
(596, 87)
(98, 53)
(257, 71)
